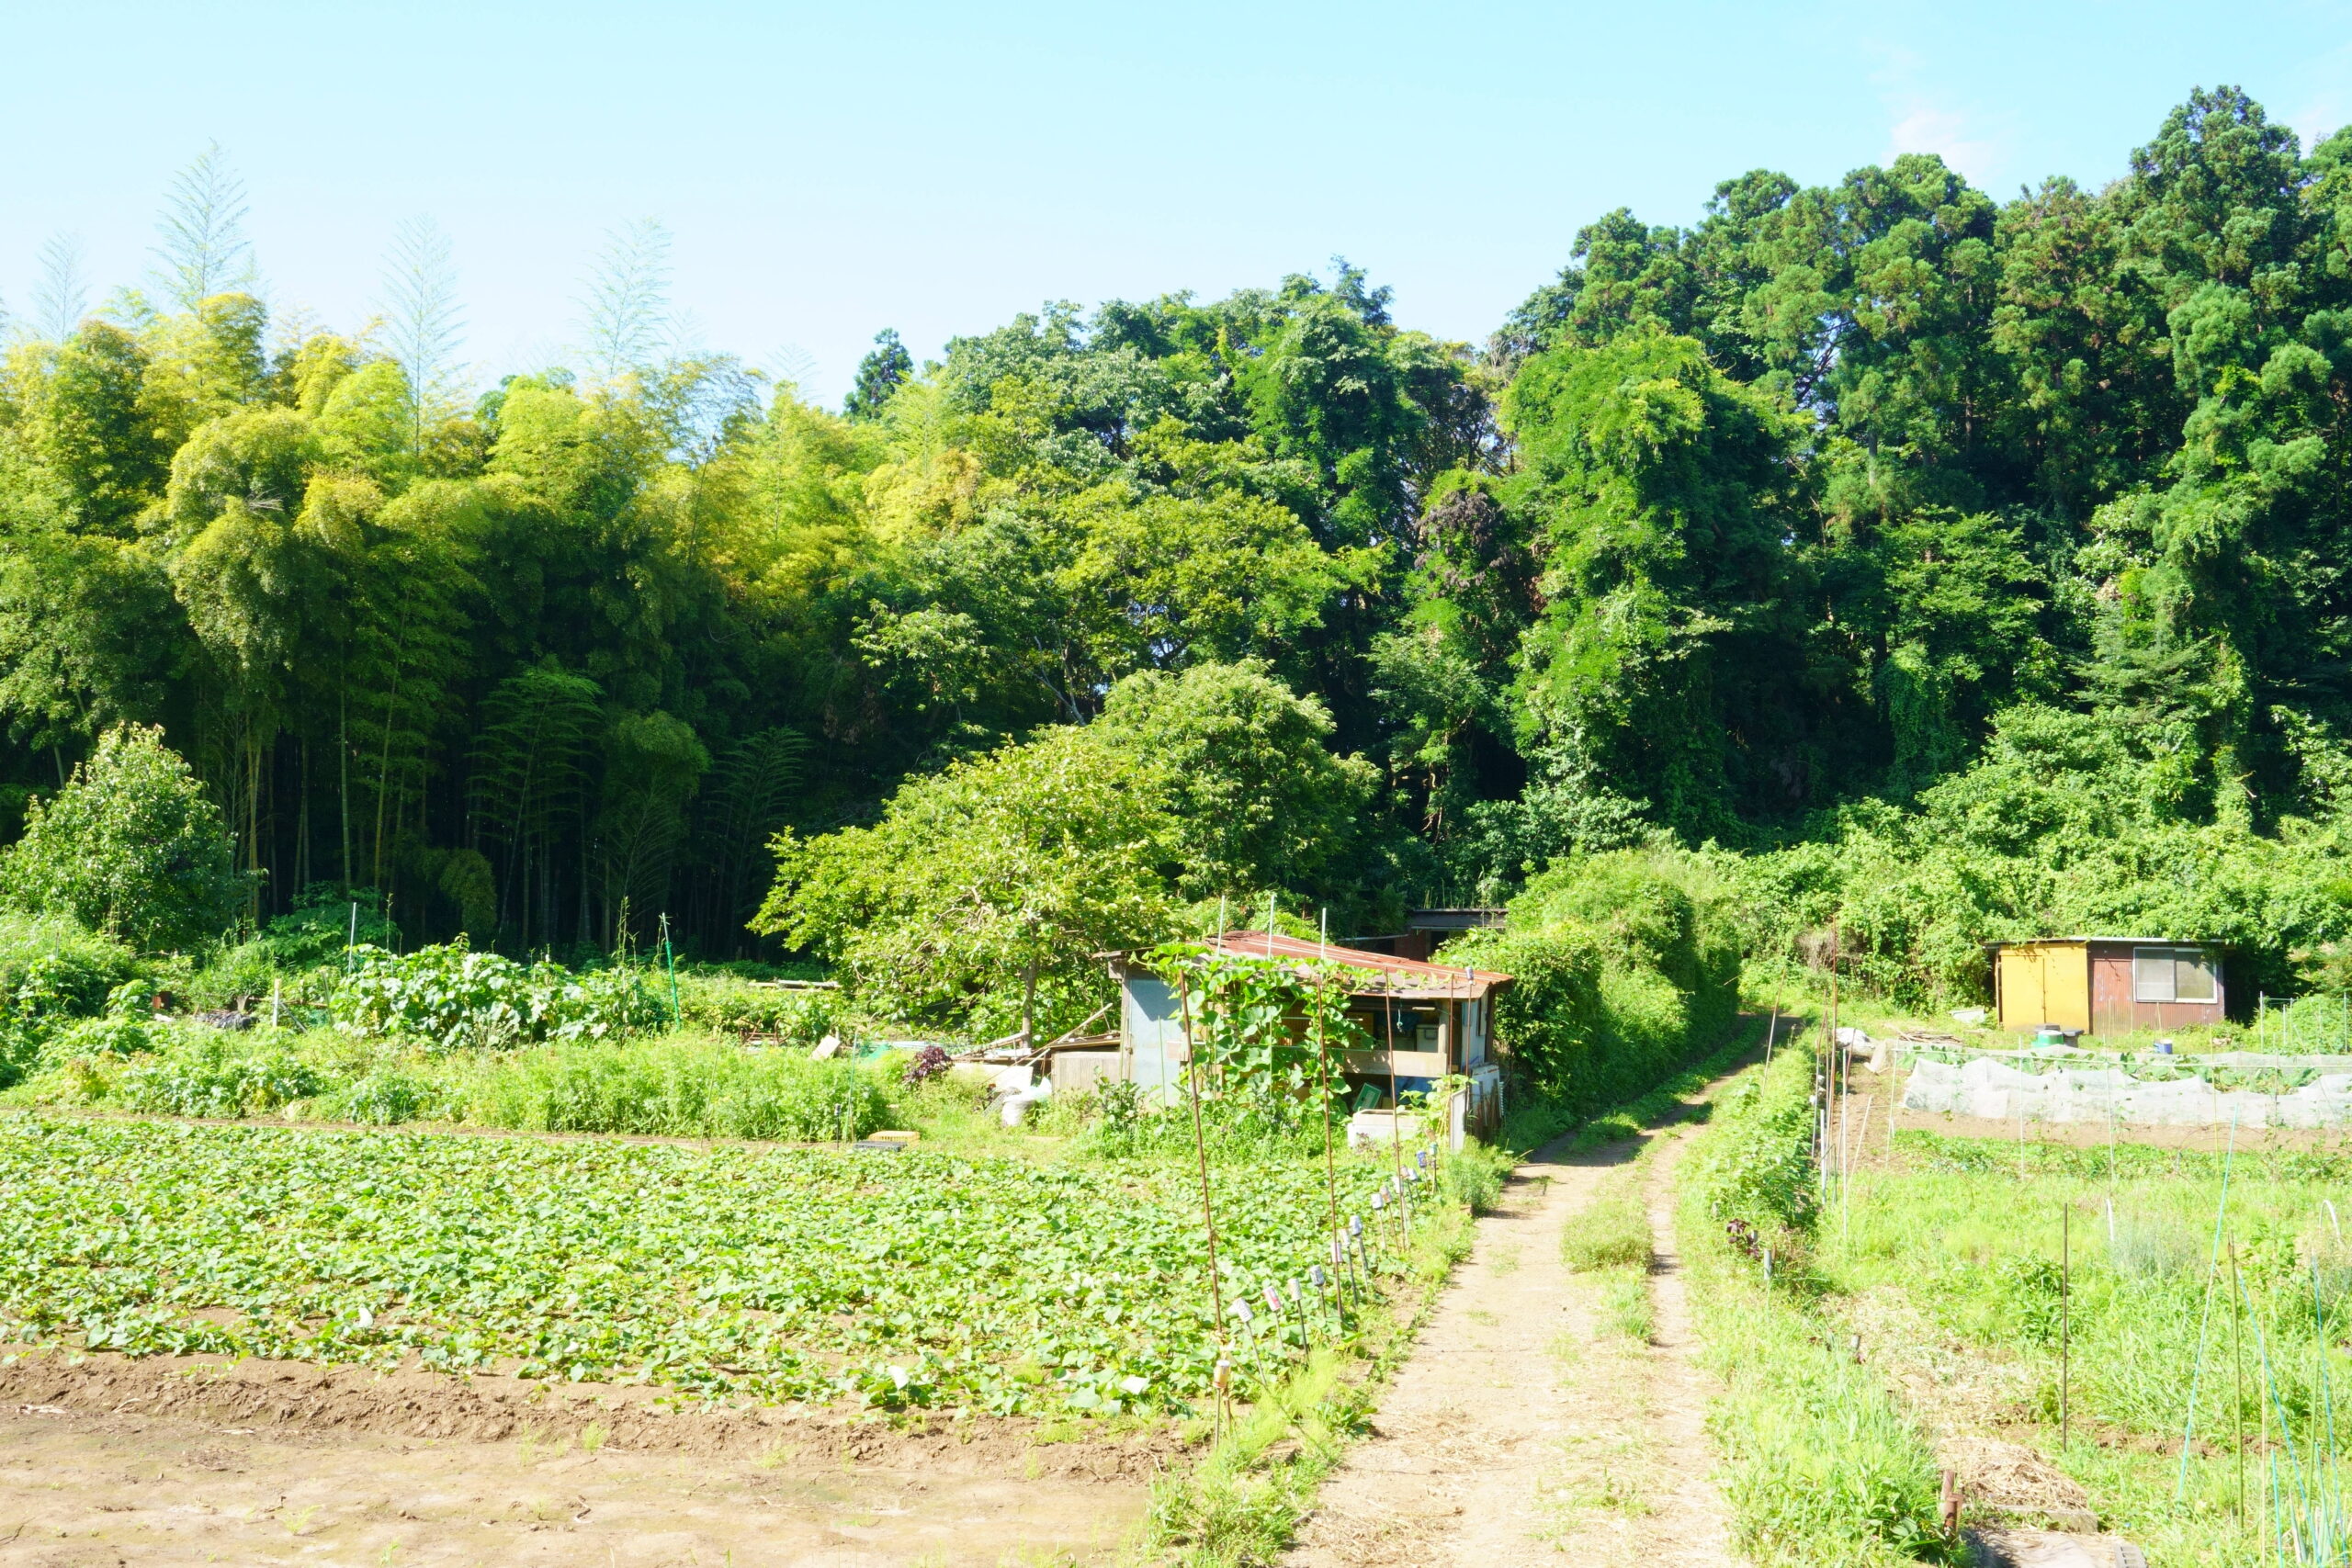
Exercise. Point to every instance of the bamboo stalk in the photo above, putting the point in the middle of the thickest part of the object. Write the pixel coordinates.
(1201, 1150)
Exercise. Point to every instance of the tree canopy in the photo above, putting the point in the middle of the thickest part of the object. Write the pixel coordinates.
(1730, 531)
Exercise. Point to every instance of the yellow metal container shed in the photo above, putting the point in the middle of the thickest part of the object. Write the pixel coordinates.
(2107, 984)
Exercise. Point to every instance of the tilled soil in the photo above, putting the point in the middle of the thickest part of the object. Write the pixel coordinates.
(1521, 1430)
(105, 1460)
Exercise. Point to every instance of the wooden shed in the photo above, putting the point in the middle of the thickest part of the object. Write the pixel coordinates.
(1429, 1021)
(2107, 984)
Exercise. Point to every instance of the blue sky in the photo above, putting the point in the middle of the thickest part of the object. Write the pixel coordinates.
(829, 172)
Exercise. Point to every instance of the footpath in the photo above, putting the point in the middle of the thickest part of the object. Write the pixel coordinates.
(1525, 1428)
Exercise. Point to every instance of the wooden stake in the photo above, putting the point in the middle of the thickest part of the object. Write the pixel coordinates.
(2065, 1319)
(1201, 1149)
(1396, 1112)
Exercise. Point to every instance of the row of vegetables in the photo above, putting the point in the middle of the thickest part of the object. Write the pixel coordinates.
(781, 1275)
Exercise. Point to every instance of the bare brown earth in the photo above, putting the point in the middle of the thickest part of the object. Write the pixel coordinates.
(107, 1461)
(1523, 1430)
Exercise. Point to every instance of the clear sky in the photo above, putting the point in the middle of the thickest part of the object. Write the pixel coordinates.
(827, 172)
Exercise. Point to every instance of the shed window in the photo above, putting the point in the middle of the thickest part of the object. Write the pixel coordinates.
(2172, 975)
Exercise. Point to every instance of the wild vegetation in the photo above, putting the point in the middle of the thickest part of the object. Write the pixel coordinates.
(1820, 1464)
(1955, 566)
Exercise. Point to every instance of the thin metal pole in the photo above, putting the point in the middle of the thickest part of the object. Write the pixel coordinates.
(2066, 1321)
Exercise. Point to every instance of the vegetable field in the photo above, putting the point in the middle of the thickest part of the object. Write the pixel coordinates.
(773, 1274)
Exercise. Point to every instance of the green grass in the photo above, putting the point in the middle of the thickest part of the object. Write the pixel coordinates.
(1976, 1247)
(1821, 1465)
(691, 1084)
(1611, 1231)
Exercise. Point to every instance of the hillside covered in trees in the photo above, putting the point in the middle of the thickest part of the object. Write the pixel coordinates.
(1952, 564)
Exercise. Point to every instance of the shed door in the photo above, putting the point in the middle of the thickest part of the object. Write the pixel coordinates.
(2022, 992)
(2066, 985)
(1155, 1036)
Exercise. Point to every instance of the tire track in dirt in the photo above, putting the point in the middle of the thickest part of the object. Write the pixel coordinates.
(1521, 1430)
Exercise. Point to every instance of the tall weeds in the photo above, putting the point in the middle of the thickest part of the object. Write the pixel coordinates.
(1821, 1466)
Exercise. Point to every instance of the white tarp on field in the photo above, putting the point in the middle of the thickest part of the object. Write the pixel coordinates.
(1995, 1089)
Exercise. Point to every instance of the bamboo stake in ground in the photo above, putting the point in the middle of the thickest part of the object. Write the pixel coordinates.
(1323, 1073)
(2065, 1320)
(1396, 1106)
(1201, 1149)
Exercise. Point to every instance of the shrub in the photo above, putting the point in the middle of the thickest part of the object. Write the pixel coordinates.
(679, 1087)
(89, 1037)
(208, 1073)
(450, 998)
(730, 1004)
(1756, 1167)
(130, 846)
(52, 972)
(1624, 967)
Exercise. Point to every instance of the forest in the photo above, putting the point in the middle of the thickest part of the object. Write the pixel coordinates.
(1934, 564)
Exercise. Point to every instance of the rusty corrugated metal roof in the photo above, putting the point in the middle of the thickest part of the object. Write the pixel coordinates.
(1399, 976)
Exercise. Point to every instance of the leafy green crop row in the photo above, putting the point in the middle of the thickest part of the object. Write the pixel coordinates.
(915, 1279)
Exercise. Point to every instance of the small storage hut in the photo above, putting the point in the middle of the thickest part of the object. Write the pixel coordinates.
(1428, 1021)
(2107, 984)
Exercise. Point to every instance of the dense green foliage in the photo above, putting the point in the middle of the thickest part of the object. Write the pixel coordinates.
(130, 846)
(686, 1084)
(1625, 965)
(2057, 828)
(1990, 554)
(1821, 1465)
(448, 999)
(51, 973)
(988, 892)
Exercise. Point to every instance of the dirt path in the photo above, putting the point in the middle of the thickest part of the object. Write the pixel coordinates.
(1679, 1389)
(273, 1462)
(1523, 1430)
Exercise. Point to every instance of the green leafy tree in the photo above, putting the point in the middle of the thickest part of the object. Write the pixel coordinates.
(201, 245)
(754, 788)
(1240, 765)
(881, 373)
(130, 847)
(653, 764)
(529, 781)
(985, 893)
(88, 423)
(1661, 495)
